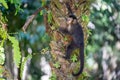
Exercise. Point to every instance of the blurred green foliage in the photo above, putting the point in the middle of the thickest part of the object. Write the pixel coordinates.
(103, 40)
(101, 17)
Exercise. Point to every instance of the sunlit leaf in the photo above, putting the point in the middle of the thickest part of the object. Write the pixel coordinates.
(49, 16)
(85, 18)
(4, 3)
(43, 2)
(74, 58)
(41, 12)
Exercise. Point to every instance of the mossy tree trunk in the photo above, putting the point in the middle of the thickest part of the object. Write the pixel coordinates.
(61, 67)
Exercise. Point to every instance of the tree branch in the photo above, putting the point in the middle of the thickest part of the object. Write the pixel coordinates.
(28, 21)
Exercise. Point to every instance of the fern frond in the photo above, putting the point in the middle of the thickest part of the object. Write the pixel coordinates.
(23, 64)
(16, 50)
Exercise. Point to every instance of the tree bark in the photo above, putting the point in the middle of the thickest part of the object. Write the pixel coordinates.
(59, 40)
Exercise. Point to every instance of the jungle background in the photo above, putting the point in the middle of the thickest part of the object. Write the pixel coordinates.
(102, 50)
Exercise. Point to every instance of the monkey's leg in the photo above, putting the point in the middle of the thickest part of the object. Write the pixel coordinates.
(69, 50)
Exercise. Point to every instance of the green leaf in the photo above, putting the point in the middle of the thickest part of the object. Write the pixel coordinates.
(89, 32)
(53, 77)
(49, 16)
(2, 79)
(41, 12)
(74, 58)
(2, 56)
(3, 35)
(17, 4)
(16, 50)
(44, 2)
(4, 3)
(65, 38)
(11, 1)
(57, 65)
(85, 18)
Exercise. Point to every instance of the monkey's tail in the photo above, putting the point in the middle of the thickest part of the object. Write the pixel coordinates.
(81, 61)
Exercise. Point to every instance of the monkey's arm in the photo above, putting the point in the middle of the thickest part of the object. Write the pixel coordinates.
(63, 30)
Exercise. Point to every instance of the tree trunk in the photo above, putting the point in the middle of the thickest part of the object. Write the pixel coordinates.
(60, 67)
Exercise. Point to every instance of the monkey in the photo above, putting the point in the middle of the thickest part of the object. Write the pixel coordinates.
(74, 29)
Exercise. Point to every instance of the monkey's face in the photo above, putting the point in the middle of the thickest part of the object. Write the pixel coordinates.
(69, 21)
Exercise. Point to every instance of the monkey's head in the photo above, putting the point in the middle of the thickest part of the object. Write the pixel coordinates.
(71, 19)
